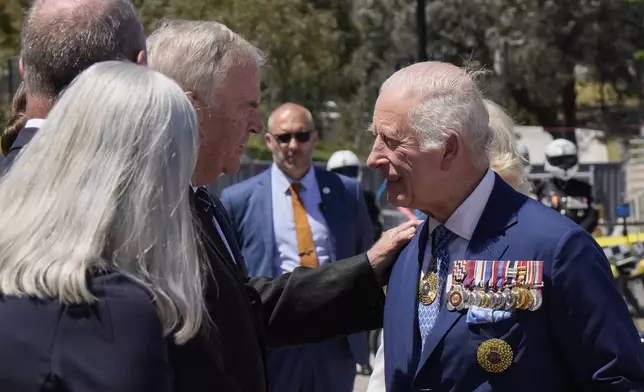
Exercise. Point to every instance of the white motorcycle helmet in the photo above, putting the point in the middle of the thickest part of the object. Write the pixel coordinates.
(522, 149)
(345, 162)
(562, 159)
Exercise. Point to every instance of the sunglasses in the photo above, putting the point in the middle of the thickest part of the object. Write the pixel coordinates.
(301, 137)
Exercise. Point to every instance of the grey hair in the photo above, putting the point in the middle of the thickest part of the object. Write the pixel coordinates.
(59, 43)
(119, 148)
(450, 101)
(199, 54)
(310, 124)
(504, 156)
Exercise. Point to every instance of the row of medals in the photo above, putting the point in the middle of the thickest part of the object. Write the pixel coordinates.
(507, 298)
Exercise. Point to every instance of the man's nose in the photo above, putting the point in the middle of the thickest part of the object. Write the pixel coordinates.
(375, 158)
(293, 144)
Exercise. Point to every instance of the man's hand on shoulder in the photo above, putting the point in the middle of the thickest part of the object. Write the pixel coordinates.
(382, 254)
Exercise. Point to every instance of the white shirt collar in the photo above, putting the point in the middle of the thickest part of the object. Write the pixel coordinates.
(464, 220)
(34, 123)
(283, 182)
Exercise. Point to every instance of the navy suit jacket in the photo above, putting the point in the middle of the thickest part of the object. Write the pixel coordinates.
(582, 337)
(249, 205)
(115, 344)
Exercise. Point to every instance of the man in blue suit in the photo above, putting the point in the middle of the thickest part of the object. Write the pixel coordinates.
(462, 314)
(295, 214)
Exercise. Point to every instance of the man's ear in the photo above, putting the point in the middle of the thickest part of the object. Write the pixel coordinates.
(21, 68)
(194, 100)
(142, 58)
(451, 146)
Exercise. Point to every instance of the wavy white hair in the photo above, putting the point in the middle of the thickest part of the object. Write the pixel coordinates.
(504, 156)
(104, 186)
(451, 100)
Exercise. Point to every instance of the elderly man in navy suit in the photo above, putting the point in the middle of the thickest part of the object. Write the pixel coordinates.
(292, 215)
(496, 292)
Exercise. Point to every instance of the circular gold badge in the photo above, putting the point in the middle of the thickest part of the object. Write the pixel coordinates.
(494, 355)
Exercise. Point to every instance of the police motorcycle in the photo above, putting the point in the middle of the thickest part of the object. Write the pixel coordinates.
(628, 271)
(570, 196)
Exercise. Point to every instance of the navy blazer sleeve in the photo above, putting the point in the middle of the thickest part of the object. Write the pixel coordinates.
(115, 345)
(589, 320)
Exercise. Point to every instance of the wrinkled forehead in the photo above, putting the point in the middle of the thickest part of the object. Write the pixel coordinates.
(392, 114)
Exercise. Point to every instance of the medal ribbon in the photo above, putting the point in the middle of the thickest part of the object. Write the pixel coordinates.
(511, 278)
(490, 270)
(500, 273)
(538, 274)
(480, 273)
(529, 273)
(521, 279)
(471, 274)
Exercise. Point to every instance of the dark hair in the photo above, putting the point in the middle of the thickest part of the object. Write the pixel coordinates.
(57, 48)
(17, 121)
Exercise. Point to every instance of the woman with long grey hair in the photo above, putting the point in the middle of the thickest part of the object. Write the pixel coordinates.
(98, 258)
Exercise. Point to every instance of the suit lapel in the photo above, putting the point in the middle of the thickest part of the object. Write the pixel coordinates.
(329, 199)
(210, 236)
(265, 199)
(224, 223)
(401, 309)
(487, 243)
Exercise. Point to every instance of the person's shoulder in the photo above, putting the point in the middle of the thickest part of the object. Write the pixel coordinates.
(121, 328)
(123, 299)
(351, 184)
(543, 222)
(246, 186)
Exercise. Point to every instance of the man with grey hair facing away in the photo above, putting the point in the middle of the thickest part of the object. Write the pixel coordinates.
(220, 72)
(496, 292)
(62, 38)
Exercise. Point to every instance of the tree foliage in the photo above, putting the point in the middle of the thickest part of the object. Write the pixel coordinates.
(332, 55)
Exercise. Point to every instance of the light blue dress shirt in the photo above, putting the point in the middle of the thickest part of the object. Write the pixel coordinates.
(287, 257)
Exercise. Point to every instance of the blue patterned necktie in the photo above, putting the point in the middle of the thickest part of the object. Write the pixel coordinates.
(427, 314)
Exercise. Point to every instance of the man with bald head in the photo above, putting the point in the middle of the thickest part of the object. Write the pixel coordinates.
(293, 215)
(495, 292)
(60, 39)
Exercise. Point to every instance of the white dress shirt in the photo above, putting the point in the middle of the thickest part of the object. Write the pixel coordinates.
(287, 257)
(463, 222)
(34, 123)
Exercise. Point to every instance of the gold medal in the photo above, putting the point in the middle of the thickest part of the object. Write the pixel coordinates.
(494, 355)
(485, 299)
(517, 294)
(529, 299)
(428, 288)
(525, 298)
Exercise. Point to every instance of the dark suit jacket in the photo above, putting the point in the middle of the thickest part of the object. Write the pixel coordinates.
(116, 344)
(23, 138)
(581, 338)
(250, 314)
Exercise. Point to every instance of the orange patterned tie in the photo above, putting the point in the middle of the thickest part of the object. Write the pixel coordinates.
(305, 245)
